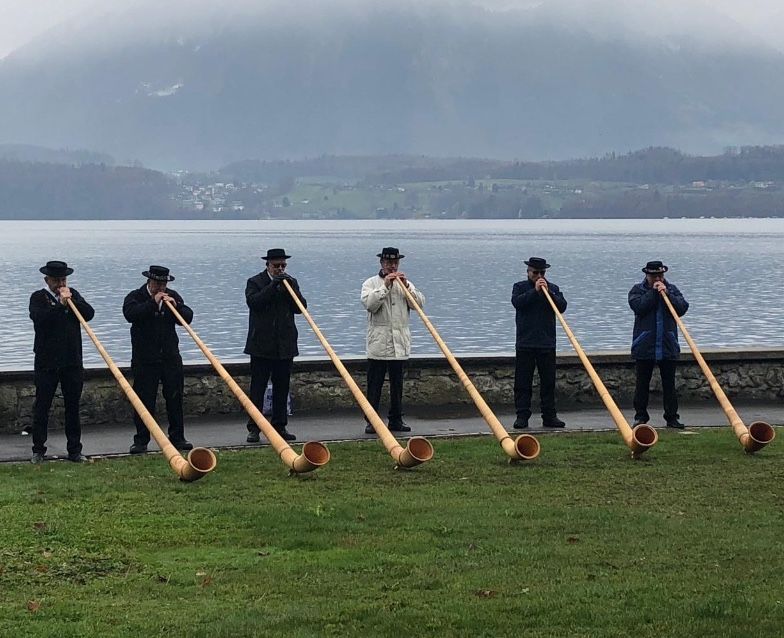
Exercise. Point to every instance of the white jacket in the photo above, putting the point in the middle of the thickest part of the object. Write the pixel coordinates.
(388, 334)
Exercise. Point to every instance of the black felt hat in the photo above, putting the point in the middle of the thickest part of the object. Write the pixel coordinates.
(390, 253)
(56, 269)
(655, 268)
(158, 273)
(537, 263)
(276, 253)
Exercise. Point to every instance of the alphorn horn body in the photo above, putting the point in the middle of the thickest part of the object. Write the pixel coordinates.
(200, 460)
(314, 454)
(759, 433)
(523, 448)
(418, 449)
(639, 439)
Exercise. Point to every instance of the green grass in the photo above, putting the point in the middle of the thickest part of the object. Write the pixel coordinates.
(581, 542)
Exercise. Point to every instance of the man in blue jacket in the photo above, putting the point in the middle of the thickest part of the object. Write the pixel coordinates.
(535, 344)
(655, 341)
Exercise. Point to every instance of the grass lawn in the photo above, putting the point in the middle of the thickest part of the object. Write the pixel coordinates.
(581, 542)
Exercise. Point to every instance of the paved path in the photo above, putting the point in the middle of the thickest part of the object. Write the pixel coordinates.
(349, 425)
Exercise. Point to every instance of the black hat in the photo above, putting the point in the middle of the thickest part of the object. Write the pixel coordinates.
(276, 253)
(56, 269)
(158, 273)
(390, 253)
(537, 263)
(655, 268)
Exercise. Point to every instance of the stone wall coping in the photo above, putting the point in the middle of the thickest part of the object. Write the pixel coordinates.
(319, 363)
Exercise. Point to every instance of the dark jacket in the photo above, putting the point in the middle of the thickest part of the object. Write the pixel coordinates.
(58, 336)
(272, 333)
(535, 318)
(154, 338)
(655, 331)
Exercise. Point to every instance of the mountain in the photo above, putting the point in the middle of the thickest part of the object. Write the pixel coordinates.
(444, 78)
(28, 153)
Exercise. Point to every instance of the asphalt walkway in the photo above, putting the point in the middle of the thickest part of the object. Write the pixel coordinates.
(349, 425)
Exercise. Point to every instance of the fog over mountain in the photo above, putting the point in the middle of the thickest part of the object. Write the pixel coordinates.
(198, 86)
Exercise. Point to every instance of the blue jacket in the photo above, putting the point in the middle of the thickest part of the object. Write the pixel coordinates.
(655, 331)
(535, 318)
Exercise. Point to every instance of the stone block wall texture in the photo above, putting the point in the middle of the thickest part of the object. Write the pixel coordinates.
(747, 375)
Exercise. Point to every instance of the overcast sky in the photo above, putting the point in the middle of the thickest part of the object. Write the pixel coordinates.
(22, 20)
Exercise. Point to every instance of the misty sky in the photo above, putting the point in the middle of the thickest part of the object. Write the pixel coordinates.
(22, 20)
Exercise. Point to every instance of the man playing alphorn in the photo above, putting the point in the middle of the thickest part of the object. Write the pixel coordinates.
(58, 357)
(655, 341)
(535, 343)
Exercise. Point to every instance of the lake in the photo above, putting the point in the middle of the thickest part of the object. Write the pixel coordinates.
(728, 269)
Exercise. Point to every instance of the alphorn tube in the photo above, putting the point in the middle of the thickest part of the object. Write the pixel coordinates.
(200, 460)
(418, 449)
(639, 439)
(759, 433)
(523, 448)
(314, 454)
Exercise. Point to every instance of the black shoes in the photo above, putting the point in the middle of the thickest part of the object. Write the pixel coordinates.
(183, 445)
(138, 448)
(287, 436)
(77, 458)
(369, 429)
(37, 458)
(399, 426)
(521, 423)
(555, 422)
(254, 436)
(639, 422)
(675, 424)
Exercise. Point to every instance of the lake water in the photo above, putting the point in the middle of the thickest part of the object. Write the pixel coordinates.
(728, 270)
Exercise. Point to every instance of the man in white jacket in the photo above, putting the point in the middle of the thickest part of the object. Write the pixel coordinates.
(388, 334)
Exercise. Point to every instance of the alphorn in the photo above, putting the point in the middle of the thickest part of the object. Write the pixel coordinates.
(639, 439)
(759, 433)
(314, 454)
(418, 449)
(200, 460)
(525, 447)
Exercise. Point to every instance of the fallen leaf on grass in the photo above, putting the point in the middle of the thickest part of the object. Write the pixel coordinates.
(33, 606)
(201, 573)
(163, 579)
(207, 580)
(485, 593)
(572, 539)
(39, 526)
(41, 569)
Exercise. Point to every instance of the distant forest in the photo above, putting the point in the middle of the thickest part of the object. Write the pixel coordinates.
(654, 182)
(655, 165)
(91, 191)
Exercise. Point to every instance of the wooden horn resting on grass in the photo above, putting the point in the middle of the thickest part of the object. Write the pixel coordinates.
(759, 433)
(200, 460)
(638, 439)
(525, 447)
(314, 454)
(418, 449)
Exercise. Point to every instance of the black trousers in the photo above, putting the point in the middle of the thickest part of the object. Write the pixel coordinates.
(145, 383)
(644, 371)
(279, 370)
(70, 379)
(525, 362)
(376, 373)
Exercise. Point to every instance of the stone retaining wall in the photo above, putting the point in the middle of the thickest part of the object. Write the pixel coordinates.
(747, 375)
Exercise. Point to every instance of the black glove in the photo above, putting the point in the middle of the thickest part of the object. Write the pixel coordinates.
(277, 279)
